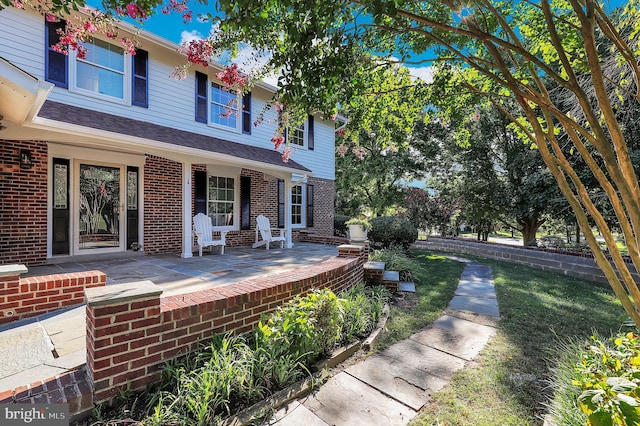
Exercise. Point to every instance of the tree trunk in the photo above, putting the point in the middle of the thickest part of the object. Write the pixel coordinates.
(577, 233)
(529, 226)
(568, 231)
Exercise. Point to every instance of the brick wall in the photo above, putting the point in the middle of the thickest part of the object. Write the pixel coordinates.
(324, 194)
(579, 266)
(264, 201)
(27, 297)
(23, 204)
(130, 335)
(162, 206)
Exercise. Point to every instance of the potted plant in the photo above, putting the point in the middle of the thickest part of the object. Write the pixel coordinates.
(358, 229)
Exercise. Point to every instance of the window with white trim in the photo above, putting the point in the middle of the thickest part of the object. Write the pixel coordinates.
(104, 70)
(297, 136)
(221, 201)
(223, 107)
(297, 204)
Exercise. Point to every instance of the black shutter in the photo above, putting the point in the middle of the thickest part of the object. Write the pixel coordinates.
(281, 200)
(201, 97)
(245, 202)
(310, 137)
(309, 206)
(140, 83)
(246, 114)
(200, 192)
(56, 64)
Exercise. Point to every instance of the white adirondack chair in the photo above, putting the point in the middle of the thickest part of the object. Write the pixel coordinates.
(264, 228)
(203, 230)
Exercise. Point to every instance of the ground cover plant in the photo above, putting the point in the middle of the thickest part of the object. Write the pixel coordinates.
(231, 372)
(510, 382)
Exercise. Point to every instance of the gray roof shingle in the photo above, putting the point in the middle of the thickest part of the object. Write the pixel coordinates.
(130, 127)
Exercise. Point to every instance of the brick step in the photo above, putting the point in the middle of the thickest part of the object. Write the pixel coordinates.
(373, 273)
(390, 279)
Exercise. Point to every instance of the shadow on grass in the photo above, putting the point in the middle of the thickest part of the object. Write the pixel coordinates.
(508, 383)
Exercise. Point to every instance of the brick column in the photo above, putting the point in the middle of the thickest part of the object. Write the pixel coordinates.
(118, 317)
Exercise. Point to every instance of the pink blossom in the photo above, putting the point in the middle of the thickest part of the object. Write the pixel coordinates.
(18, 4)
(286, 154)
(49, 17)
(342, 150)
(277, 140)
(359, 152)
(334, 116)
(341, 132)
(129, 45)
(232, 77)
(112, 34)
(187, 17)
(198, 51)
(476, 116)
(134, 11)
(88, 26)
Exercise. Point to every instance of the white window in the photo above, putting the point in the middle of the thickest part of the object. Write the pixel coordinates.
(297, 135)
(221, 205)
(297, 205)
(104, 71)
(223, 109)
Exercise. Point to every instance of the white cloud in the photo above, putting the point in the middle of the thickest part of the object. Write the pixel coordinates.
(423, 73)
(187, 36)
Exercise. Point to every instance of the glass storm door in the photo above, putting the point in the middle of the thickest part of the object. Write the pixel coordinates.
(99, 208)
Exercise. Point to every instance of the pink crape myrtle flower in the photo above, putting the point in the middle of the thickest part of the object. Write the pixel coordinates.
(286, 153)
(277, 140)
(198, 51)
(359, 152)
(341, 132)
(135, 12)
(49, 17)
(342, 150)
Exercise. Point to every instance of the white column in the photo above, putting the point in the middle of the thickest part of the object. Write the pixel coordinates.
(287, 211)
(187, 212)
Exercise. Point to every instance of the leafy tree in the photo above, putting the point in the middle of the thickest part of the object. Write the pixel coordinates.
(374, 157)
(321, 50)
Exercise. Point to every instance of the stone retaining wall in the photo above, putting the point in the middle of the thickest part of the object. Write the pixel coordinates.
(581, 266)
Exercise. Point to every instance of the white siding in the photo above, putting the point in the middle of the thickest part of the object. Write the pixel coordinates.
(171, 101)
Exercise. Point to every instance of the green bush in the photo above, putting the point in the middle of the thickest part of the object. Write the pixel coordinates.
(603, 385)
(396, 259)
(339, 225)
(392, 231)
(234, 371)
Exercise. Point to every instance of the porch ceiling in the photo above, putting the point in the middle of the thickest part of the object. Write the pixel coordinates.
(153, 138)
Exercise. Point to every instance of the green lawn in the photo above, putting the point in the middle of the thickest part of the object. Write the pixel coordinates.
(508, 383)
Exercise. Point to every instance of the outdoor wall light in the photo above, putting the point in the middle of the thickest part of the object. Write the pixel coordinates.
(26, 159)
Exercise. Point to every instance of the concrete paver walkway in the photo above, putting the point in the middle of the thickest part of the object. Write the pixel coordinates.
(390, 387)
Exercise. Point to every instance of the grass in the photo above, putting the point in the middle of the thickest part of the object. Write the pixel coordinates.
(508, 384)
(436, 278)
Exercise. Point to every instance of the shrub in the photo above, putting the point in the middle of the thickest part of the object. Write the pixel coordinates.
(395, 259)
(603, 383)
(392, 231)
(339, 226)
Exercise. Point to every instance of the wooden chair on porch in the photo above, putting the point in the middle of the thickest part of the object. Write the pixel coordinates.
(263, 227)
(203, 230)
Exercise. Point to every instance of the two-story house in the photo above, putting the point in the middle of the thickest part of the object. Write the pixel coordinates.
(107, 153)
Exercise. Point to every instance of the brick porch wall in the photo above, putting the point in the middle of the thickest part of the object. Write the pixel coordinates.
(132, 331)
(27, 297)
(23, 204)
(162, 206)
